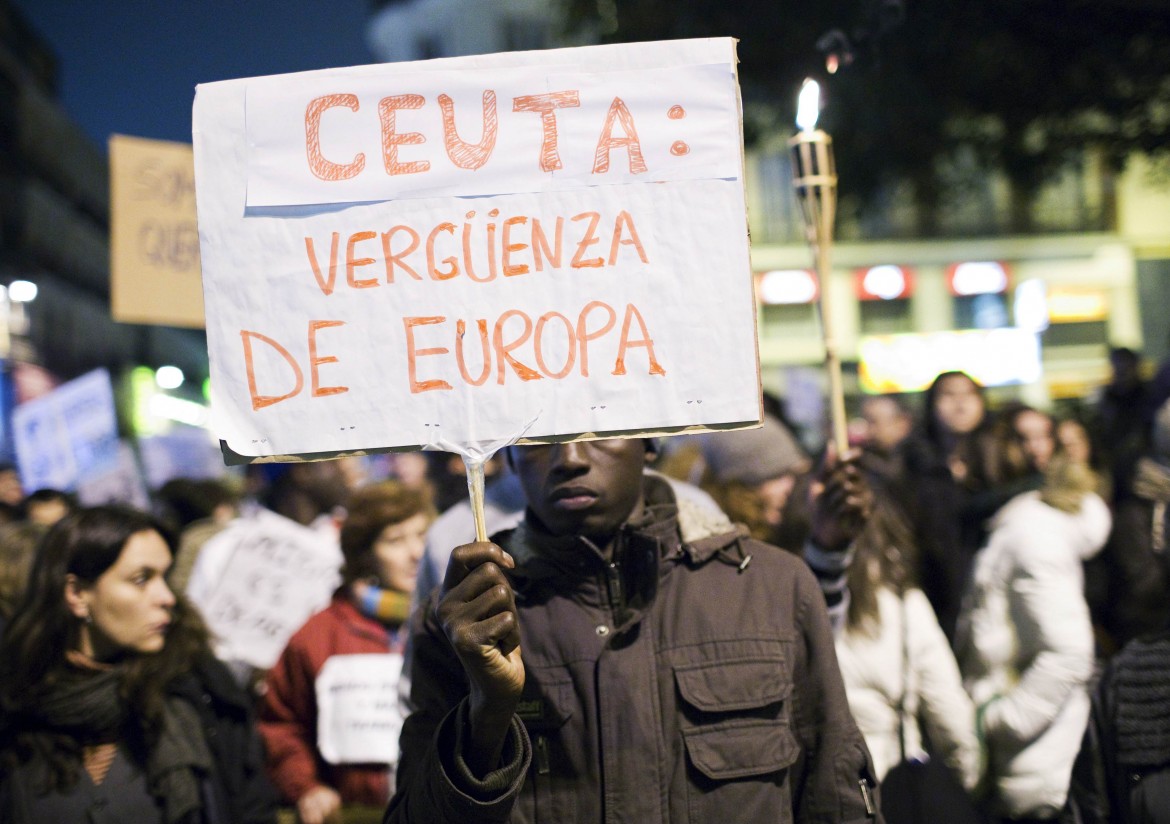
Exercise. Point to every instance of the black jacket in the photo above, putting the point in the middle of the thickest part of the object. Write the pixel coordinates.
(693, 680)
(236, 792)
(1122, 774)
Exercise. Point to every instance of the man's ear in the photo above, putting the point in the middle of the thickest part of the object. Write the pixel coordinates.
(77, 597)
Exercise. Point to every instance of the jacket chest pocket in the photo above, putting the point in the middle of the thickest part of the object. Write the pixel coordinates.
(545, 713)
(739, 743)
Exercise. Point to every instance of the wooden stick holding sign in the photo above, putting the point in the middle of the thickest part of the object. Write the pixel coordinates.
(475, 485)
(814, 176)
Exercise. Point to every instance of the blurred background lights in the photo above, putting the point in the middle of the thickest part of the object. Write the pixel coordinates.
(169, 377)
(1031, 306)
(22, 291)
(979, 278)
(886, 282)
(782, 286)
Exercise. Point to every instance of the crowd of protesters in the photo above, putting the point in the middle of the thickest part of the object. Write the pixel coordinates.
(722, 624)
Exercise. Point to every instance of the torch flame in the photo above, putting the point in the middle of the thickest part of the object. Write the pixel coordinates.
(808, 105)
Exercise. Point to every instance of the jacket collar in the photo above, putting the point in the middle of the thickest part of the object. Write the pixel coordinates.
(670, 530)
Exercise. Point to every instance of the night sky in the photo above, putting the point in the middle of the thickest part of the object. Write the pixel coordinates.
(131, 66)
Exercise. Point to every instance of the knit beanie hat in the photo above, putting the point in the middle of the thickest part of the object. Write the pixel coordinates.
(752, 456)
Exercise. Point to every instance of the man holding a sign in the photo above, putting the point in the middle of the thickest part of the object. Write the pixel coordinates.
(613, 659)
(549, 246)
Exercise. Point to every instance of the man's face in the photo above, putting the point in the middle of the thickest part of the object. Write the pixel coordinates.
(886, 424)
(588, 488)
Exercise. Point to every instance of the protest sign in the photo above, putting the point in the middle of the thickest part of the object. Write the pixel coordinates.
(116, 482)
(154, 242)
(358, 718)
(182, 453)
(270, 574)
(67, 435)
(458, 252)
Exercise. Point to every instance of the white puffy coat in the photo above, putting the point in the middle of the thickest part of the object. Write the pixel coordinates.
(871, 667)
(1025, 647)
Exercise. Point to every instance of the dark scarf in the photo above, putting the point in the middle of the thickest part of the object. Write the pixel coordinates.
(87, 705)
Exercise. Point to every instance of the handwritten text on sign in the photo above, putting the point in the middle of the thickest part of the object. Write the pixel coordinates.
(358, 719)
(278, 573)
(597, 280)
(328, 139)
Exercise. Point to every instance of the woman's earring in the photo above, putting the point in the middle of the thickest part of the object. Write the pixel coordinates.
(88, 618)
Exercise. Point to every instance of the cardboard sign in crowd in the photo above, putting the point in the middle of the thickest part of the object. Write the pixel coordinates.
(460, 251)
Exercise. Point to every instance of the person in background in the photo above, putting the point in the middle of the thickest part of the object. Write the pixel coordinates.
(47, 506)
(1136, 598)
(1025, 640)
(1076, 441)
(112, 706)
(898, 668)
(196, 510)
(755, 476)
(1123, 416)
(181, 502)
(11, 489)
(668, 673)
(18, 549)
(946, 464)
(887, 424)
(310, 493)
(1122, 773)
(1035, 432)
(357, 638)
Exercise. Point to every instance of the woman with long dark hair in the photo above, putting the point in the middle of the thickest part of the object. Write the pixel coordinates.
(948, 464)
(112, 706)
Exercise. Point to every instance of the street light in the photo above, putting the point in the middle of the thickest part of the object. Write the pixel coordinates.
(169, 377)
(22, 291)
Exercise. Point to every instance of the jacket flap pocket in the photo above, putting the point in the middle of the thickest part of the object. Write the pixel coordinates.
(728, 686)
(736, 749)
(545, 708)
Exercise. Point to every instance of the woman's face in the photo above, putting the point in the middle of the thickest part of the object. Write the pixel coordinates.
(958, 406)
(128, 608)
(1074, 441)
(398, 549)
(1034, 430)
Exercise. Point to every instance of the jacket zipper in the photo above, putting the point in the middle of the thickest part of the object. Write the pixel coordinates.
(613, 579)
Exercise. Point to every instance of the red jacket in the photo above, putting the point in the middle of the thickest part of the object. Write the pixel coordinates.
(288, 710)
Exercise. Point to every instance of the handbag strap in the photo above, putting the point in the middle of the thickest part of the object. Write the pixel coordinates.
(905, 677)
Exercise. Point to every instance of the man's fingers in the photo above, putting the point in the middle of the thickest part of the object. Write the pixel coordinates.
(467, 558)
(500, 630)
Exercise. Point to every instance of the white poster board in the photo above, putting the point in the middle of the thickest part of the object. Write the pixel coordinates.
(457, 252)
(67, 435)
(274, 574)
(358, 716)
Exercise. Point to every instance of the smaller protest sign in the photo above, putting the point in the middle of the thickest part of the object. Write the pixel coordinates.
(274, 574)
(67, 435)
(119, 482)
(154, 241)
(358, 720)
(185, 453)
